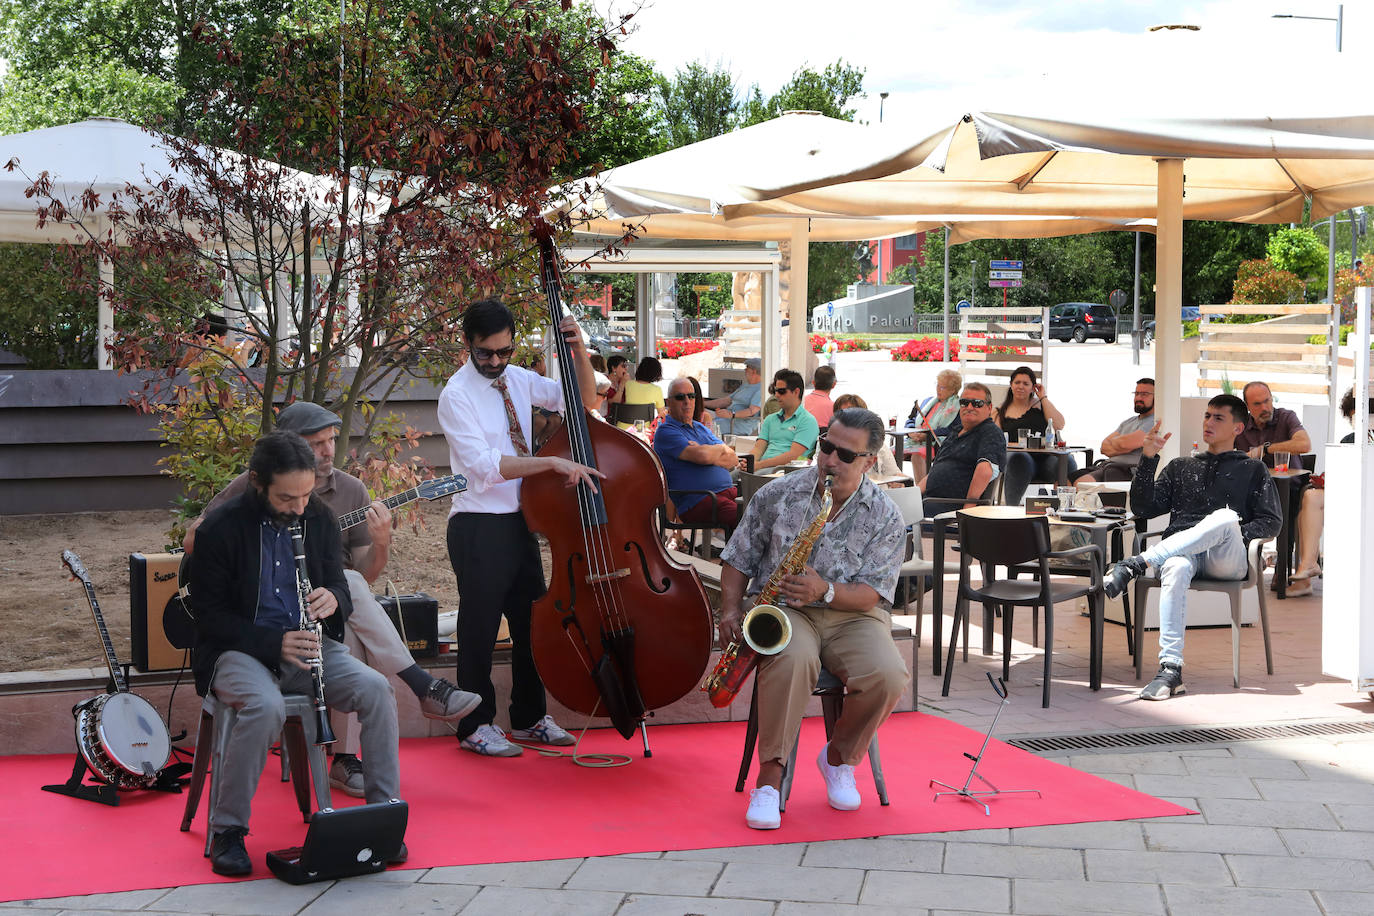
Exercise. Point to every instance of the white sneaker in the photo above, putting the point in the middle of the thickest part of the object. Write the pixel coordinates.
(763, 813)
(840, 790)
(490, 741)
(545, 731)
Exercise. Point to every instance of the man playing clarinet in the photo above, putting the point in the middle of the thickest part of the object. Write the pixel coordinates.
(250, 646)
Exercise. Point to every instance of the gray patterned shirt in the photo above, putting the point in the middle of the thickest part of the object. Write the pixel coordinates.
(864, 543)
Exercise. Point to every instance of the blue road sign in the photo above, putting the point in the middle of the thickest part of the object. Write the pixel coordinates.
(962, 304)
(1006, 265)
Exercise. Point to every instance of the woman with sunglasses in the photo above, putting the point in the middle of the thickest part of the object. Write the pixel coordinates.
(1027, 407)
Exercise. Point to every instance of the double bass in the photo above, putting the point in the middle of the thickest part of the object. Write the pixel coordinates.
(623, 628)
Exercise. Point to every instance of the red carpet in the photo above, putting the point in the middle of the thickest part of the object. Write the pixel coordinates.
(466, 809)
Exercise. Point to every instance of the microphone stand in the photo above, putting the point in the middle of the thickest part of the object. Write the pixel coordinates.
(976, 795)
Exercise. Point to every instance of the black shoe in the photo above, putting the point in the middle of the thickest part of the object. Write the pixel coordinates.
(227, 853)
(1168, 682)
(1118, 574)
(399, 856)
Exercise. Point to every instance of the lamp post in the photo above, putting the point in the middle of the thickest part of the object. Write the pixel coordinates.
(882, 97)
(1339, 19)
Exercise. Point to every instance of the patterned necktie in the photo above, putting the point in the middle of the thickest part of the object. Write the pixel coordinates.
(517, 436)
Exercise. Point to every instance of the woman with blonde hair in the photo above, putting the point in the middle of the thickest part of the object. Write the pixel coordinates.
(932, 415)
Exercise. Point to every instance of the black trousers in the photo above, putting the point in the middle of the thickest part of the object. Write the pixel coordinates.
(496, 562)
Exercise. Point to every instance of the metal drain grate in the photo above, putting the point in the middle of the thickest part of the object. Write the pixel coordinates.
(1214, 735)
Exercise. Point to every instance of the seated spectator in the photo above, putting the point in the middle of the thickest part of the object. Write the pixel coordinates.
(739, 412)
(1217, 502)
(644, 388)
(934, 414)
(817, 403)
(699, 413)
(790, 433)
(1027, 407)
(694, 459)
(886, 465)
(618, 373)
(1121, 449)
(1348, 411)
(1270, 429)
(971, 455)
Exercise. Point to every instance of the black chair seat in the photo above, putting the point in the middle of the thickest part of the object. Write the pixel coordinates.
(1027, 591)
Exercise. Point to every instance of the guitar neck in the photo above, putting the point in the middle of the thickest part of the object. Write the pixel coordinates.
(110, 660)
(358, 516)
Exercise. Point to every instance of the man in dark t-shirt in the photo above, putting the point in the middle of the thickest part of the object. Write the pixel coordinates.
(972, 455)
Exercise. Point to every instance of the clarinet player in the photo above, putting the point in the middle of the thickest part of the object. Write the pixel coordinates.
(251, 649)
(839, 608)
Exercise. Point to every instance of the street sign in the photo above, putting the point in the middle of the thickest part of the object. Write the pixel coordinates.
(1004, 283)
(705, 289)
(962, 304)
(1004, 275)
(1006, 265)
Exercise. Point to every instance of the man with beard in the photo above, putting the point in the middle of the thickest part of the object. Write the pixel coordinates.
(485, 412)
(1121, 449)
(250, 648)
(370, 634)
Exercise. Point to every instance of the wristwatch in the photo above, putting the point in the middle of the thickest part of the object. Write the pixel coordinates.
(829, 593)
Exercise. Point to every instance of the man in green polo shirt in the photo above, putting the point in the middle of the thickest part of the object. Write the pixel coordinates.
(790, 433)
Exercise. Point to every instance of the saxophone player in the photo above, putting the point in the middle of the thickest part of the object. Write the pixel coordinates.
(250, 648)
(838, 606)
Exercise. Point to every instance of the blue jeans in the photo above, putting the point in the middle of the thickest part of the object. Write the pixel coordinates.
(1214, 548)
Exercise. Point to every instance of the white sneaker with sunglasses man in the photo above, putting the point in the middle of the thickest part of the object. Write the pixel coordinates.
(1217, 502)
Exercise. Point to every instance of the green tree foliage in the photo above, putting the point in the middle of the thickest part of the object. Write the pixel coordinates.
(1260, 282)
(829, 92)
(1212, 253)
(42, 322)
(698, 103)
(1299, 252)
(707, 303)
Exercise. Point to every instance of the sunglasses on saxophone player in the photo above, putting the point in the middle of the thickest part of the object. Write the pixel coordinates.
(839, 451)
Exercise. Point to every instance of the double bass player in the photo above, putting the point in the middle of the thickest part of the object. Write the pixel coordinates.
(485, 413)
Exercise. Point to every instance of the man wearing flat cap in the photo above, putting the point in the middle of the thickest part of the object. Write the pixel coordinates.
(737, 414)
(369, 634)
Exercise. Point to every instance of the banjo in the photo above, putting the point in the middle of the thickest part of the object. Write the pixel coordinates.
(178, 619)
(120, 735)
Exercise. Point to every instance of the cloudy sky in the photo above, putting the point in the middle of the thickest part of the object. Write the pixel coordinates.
(940, 59)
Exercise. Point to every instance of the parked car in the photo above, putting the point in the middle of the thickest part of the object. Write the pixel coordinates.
(1077, 321)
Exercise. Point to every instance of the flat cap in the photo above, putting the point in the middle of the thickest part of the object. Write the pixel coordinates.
(754, 363)
(306, 418)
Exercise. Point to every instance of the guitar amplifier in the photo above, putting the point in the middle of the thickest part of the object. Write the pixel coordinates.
(152, 580)
(416, 618)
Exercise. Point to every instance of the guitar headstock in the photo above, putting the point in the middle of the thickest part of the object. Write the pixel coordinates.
(442, 486)
(73, 562)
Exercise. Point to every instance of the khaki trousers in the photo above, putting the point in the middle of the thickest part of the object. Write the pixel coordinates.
(371, 637)
(856, 647)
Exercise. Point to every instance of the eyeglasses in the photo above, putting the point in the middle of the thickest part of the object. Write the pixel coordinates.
(684, 396)
(482, 354)
(972, 402)
(780, 391)
(844, 454)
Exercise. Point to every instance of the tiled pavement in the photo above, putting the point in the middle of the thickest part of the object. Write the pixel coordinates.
(1285, 826)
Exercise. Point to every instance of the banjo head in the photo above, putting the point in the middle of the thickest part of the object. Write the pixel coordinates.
(123, 739)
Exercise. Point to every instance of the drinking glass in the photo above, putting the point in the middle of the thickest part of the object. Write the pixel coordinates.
(1023, 436)
(1280, 461)
(1066, 495)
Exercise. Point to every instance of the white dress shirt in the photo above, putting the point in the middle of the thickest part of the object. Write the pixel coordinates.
(473, 418)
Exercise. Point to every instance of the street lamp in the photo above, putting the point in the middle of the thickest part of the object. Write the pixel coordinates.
(882, 97)
(1339, 19)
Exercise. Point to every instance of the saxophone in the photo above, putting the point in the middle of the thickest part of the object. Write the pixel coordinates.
(765, 628)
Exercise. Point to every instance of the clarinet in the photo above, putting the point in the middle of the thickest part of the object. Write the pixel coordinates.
(323, 733)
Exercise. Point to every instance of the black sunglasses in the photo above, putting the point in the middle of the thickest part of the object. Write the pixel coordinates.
(482, 354)
(844, 454)
(781, 391)
(972, 402)
(684, 396)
